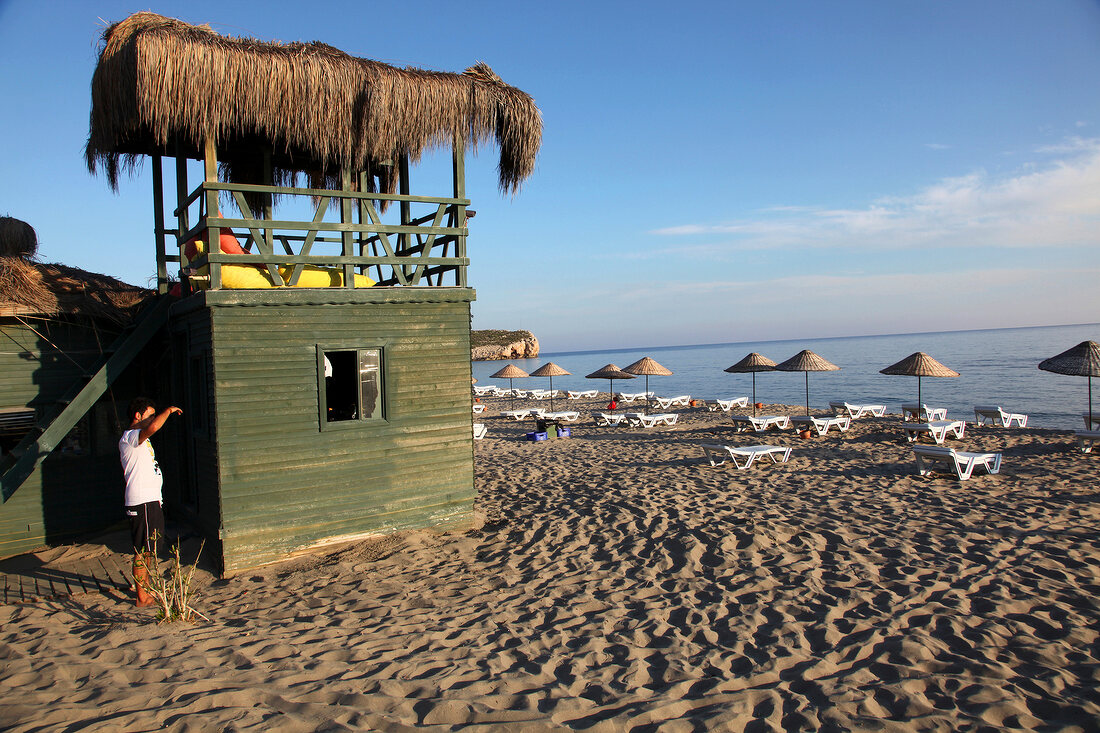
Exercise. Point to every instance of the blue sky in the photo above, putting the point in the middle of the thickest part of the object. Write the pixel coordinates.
(710, 171)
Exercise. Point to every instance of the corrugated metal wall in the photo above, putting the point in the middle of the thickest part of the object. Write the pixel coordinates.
(289, 482)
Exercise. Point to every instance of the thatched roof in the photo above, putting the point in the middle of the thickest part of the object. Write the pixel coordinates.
(919, 364)
(162, 82)
(31, 288)
(1083, 360)
(806, 361)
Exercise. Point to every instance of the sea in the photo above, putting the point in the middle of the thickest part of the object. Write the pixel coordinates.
(996, 367)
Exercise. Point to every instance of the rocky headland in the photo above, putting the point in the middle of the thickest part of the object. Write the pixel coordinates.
(492, 345)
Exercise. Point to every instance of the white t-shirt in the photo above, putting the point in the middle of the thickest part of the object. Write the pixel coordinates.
(139, 465)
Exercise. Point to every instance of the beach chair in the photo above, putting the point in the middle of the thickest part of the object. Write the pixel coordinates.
(486, 390)
(760, 423)
(639, 419)
(607, 418)
(523, 414)
(857, 411)
(962, 464)
(938, 429)
(922, 413)
(666, 402)
(717, 454)
(1086, 439)
(821, 425)
(480, 430)
(997, 416)
(542, 394)
(478, 409)
(581, 394)
(566, 415)
(632, 396)
(726, 405)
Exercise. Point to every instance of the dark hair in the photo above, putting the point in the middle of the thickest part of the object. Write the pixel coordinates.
(139, 405)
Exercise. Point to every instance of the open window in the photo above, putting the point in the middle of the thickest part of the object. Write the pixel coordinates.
(350, 385)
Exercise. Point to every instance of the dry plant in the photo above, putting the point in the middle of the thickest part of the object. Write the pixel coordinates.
(172, 591)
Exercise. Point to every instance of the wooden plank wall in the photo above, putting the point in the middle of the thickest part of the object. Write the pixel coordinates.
(286, 481)
(69, 493)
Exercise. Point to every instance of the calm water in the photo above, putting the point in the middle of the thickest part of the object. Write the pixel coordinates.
(997, 367)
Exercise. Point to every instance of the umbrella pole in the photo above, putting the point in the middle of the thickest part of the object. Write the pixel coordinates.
(807, 394)
(512, 392)
(754, 394)
(1090, 403)
(551, 393)
(647, 393)
(919, 402)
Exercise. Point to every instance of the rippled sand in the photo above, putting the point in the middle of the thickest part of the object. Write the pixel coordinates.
(622, 583)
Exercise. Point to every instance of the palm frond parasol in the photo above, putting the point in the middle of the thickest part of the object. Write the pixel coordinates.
(752, 363)
(919, 365)
(646, 366)
(610, 372)
(807, 361)
(550, 369)
(510, 372)
(1083, 360)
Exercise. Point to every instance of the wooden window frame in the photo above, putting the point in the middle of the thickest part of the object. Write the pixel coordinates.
(322, 404)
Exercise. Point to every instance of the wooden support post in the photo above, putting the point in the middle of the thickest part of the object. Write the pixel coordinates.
(213, 233)
(458, 170)
(158, 224)
(183, 219)
(347, 237)
(403, 240)
(269, 180)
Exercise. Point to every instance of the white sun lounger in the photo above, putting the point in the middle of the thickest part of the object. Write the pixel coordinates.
(994, 415)
(666, 402)
(480, 430)
(857, 411)
(488, 389)
(913, 411)
(938, 429)
(479, 408)
(726, 405)
(632, 396)
(821, 425)
(962, 464)
(1086, 439)
(607, 418)
(566, 415)
(518, 415)
(542, 394)
(1093, 423)
(717, 454)
(649, 421)
(577, 395)
(759, 423)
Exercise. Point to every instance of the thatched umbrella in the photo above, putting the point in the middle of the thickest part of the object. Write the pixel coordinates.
(17, 238)
(610, 372)
(806, 361)
(1083, 360)
(919, 365)
(647, 366)
(510, 372)
(163, 85)
(550, 369)
(752, 363)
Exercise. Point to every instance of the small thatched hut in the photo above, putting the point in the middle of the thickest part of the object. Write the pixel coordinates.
(57, 325)
(312, 413)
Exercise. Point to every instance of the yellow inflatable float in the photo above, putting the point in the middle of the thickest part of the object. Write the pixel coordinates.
(255, 277)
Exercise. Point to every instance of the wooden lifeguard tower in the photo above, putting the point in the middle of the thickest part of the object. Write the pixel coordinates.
(322, 358)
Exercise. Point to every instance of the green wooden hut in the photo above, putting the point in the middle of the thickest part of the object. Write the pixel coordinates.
(57, 325)
(321, 354)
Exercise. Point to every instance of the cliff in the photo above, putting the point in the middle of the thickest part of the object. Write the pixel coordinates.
(490, 345)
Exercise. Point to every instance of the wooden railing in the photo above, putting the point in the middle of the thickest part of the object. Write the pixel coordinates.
(426, 249)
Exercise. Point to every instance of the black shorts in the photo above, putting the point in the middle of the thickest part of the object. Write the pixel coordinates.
(145, 519)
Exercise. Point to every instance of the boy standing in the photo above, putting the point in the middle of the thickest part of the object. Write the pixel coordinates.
(143, 487)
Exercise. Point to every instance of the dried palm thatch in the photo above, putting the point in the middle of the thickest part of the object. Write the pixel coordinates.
(52, 289)
(17, 238)
(161, 82)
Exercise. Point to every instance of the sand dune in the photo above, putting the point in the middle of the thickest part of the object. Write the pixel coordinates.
(622, 583)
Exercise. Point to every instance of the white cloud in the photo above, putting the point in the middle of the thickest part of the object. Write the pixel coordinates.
(937, 146)
(1049, 205)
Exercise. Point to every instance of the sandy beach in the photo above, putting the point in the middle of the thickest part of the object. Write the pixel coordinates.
(622, 583)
